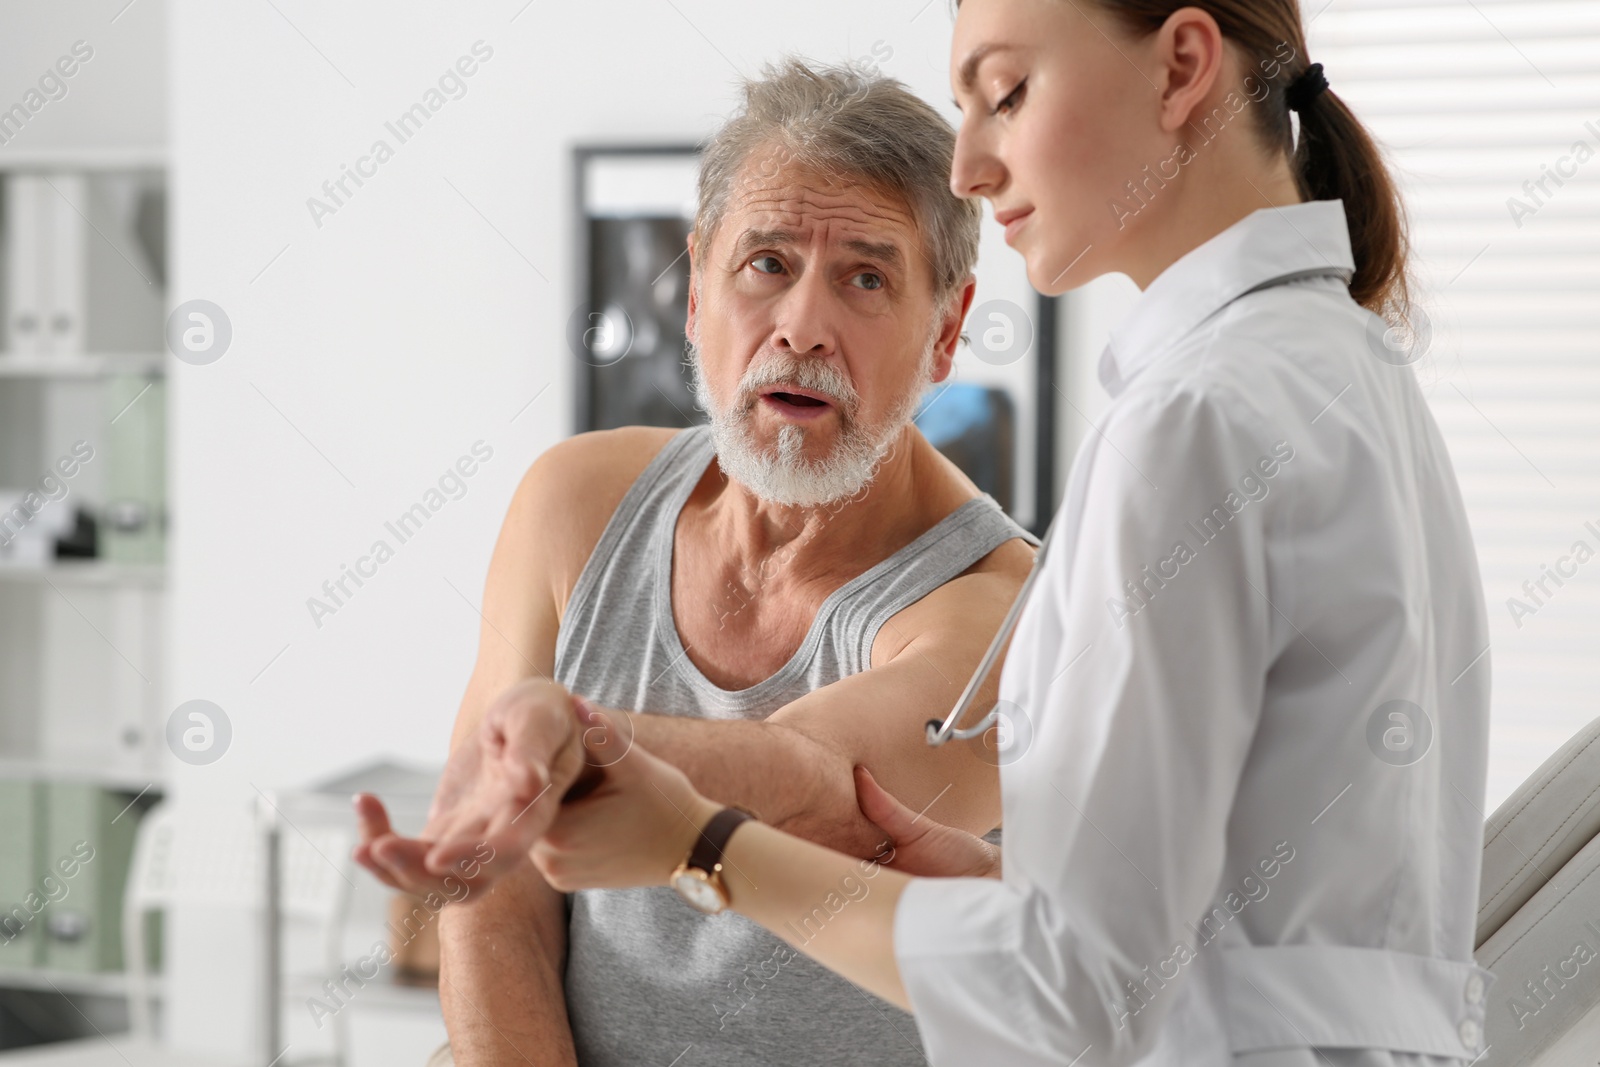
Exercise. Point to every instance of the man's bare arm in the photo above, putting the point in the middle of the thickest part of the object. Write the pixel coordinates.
(500, 975)
(503, 956)
(503, 953)
(794, 768)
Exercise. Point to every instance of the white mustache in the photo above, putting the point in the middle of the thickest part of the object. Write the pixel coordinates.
(806, 374)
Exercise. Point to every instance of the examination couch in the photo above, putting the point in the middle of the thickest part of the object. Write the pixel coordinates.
(1539, 915)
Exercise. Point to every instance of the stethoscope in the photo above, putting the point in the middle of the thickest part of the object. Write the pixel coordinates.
(940, 732)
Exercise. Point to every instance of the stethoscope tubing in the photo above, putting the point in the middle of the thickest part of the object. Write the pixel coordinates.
(940, 732)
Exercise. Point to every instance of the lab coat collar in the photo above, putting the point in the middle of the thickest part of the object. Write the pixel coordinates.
(1265, 247)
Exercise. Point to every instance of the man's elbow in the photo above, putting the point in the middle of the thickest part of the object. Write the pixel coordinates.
(832, 826)
(824, 810)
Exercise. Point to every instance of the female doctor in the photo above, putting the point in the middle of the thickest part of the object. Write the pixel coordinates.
(1247, 699)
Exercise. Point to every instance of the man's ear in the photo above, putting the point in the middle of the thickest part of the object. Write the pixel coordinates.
(1192, 53)
(689, 324)
(950, 325)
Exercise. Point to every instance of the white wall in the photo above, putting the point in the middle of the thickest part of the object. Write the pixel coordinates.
(113, 101)
(372, 350)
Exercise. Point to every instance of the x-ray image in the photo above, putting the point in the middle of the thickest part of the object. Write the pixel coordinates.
(632, 333)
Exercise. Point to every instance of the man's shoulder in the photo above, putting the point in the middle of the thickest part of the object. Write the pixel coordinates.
(569, 493)
(973, 602)
(994, 579)
(945, 492)
(964, 611)
(600, 462)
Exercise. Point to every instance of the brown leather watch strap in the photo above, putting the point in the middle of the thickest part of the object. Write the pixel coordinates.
(707, 852)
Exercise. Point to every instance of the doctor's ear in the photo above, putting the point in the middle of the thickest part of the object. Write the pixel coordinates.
(1192, 53)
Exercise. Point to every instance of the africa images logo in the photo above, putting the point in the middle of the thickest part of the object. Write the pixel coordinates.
(1399, 732)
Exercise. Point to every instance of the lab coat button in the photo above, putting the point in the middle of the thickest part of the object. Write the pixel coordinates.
(1474, 989)
(1469, 1033)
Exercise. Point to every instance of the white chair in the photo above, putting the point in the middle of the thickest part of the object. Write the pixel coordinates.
(314, 889)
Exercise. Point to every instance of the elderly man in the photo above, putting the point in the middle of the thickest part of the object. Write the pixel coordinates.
(776, 598)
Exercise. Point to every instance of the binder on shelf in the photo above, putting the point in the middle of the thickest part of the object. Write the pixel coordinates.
(46, 257)
(134, 526)
(21, 899)
(24, 238)
(87, 832)
(66, 258)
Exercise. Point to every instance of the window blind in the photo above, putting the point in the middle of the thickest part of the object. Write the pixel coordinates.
(1490, 113)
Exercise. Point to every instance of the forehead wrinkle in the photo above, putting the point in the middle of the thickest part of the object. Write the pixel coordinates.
(810, 221)
(799, 205)
(785, 204)
(812, 216)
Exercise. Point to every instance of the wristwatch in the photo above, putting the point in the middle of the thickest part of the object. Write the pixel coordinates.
(698, 879)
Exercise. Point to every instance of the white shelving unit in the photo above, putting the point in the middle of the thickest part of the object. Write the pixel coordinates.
(71, 770)
(82, 640)
(44, 979)
(81, 366)
(87, 572)
(148, 157)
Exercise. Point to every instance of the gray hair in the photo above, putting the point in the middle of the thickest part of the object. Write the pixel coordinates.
(853, 122)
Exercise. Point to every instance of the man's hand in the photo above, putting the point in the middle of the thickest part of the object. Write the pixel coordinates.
(921, 846)
(500, 791)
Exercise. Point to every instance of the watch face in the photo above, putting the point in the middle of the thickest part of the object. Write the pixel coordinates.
(693, 885)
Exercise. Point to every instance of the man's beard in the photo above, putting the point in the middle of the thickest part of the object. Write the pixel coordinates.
(783, 475)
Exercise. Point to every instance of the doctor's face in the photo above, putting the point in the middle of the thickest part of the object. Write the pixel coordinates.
(1057, 115)
(814, 324)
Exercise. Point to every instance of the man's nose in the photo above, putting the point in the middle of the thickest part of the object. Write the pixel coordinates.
(807, 323)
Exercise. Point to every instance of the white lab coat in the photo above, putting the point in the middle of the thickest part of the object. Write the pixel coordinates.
(1231, 837)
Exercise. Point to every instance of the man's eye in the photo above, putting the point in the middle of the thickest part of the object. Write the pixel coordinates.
(876, 279)
(777, 264)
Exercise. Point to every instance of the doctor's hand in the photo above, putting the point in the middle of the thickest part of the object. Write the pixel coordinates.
(634, 828)
(921, 846)
(500, 790)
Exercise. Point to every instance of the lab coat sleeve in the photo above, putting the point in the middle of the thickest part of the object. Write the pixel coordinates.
(1142, 672)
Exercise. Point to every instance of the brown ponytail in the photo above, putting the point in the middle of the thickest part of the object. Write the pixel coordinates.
(1336, 158)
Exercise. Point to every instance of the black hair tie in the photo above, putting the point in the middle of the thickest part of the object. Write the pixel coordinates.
(1306, 87)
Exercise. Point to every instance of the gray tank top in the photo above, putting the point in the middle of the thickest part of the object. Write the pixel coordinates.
(649, 980)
